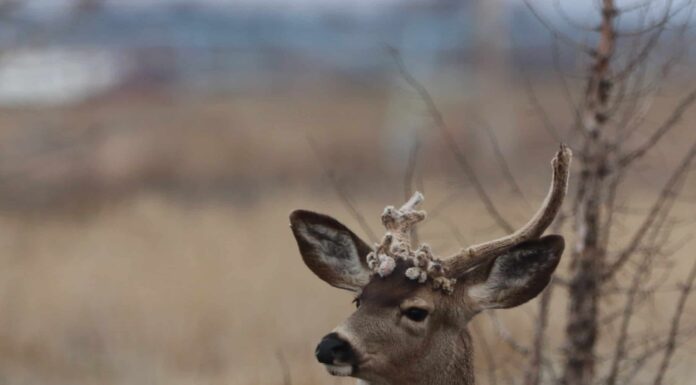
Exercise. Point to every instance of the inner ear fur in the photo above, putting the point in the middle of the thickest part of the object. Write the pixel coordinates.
(331, 251)
(516, 276)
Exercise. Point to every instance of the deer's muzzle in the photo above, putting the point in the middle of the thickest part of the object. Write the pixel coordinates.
(333, 350)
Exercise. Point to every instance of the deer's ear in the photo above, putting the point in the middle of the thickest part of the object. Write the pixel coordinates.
(517, 275)
(333, 252)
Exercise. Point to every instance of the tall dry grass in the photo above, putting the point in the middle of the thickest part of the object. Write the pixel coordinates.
(153, 291)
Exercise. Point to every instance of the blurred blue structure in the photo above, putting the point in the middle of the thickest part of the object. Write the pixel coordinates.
(234, 48)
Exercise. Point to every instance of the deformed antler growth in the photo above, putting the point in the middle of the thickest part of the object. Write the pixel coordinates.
(399, 222)
(478, 254)
(398, 278)
(396, 245)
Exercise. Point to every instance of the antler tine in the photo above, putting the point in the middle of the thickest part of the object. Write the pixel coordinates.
(396, 244)
(477, 254)
(399, 221)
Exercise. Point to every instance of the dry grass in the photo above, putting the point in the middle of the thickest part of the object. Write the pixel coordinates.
(154, 292)
(151, 290)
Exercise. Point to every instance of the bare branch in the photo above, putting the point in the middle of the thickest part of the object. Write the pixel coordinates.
(628, 313)
(534, 366)
(342, 194)
(451, 143)
(623, 85)
(664, 200)
(639, 58)
(668, 15)
(556, 33)
(570, 21)
(635, 7)
(674, 329)
(577, 114)
(659, 133)
(502, 162)
(536, 104)
(653, 350)
(284, 368)
(629, 111)
(444, 203)
(505, 334)
(610, 205)
(461, 239)
(487, 354)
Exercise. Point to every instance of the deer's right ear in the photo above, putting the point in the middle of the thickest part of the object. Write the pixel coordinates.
(333, 252)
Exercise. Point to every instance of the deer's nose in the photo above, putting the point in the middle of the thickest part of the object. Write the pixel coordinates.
(334, 350)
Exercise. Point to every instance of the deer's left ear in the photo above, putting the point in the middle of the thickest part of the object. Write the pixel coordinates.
(333, 252)
(516, 276)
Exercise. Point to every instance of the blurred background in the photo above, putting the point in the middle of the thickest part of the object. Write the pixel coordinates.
(151, 151)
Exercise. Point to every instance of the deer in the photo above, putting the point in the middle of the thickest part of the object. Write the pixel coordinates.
(410, 325)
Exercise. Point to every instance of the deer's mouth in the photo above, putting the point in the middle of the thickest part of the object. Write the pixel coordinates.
(340, 370)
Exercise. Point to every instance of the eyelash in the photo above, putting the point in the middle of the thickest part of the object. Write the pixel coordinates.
(356, 301)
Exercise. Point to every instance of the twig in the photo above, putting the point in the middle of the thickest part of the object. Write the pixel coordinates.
(674, 329)
(635, 7)
(461, 239)
(533, 373)
(447, 136)
(536, 104)
(487, 355)
(577, 114)
(664, 199)
(661, 24)
(569, 20)
(342, 194)
(284, 368)
(628, 313)
(502, 162)
(444, 203)
(505, 334)
(556, 33)
(639, 362)
(664, 128)
(610, 204)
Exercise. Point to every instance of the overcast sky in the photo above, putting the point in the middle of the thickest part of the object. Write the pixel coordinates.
(579, 8)
(357, 5)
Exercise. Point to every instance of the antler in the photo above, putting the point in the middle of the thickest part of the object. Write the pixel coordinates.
(478, 254)
(396, 245)
(399, 222)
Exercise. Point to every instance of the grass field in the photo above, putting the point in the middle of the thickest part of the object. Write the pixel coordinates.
(186, 272)
(155, 292)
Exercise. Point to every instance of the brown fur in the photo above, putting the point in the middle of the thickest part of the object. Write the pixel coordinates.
(388, 347)
(421, 352)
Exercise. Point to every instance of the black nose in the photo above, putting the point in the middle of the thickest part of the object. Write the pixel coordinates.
(332, 350)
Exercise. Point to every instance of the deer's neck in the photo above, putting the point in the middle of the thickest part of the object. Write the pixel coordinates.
(451, 367)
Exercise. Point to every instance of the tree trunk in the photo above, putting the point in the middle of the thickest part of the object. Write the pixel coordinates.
(587, 259)
(588, 256)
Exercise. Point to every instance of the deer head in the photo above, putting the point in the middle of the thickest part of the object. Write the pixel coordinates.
(412, 307)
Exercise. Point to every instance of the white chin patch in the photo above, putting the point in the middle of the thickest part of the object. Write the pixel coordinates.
(340, 370)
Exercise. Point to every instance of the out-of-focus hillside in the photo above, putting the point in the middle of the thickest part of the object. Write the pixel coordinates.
(238, 147)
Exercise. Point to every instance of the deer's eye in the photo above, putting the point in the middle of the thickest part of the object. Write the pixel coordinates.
(416, 314)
